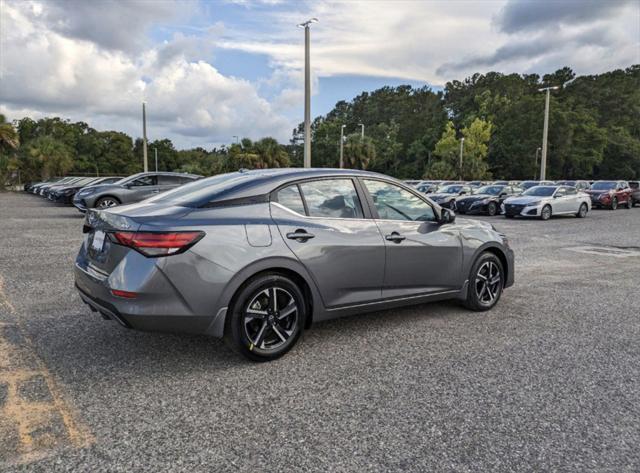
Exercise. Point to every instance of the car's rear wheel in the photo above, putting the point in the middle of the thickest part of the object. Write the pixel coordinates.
(546, 212)
(629, 203)
(486, 282)
(267, 317)
(614, 204)
(492, 209)
(582, 212)
(106, 202)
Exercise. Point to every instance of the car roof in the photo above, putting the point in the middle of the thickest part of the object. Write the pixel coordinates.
(246, 184)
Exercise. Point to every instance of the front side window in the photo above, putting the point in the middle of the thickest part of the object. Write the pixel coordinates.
(290, 198)
(332, 198)
(395, 203)
(145, 181)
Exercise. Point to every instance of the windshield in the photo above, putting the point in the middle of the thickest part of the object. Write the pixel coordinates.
(567, 183)
(451, 189)
(528, 184)
(490, 190)
(197, 190)
(603, 185)
(540, 191)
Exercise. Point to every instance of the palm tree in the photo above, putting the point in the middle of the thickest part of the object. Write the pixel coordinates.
(9, 139)
(359, 152)
(54, 156)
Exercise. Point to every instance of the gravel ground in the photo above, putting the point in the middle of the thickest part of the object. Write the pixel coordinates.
(547, 381)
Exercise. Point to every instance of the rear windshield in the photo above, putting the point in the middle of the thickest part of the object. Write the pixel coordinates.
(603, 186)
(540, 191)
(204, 188)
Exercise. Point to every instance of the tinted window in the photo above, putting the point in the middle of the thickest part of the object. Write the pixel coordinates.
(634, 185)
(169, 180)
(571, 191)
(395, 203)
(561, 192)
(332, 198)
(291, 199)
(603, 185)
(145, 181)
(491, 190)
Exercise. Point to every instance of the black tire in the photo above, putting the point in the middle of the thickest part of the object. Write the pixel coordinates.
(629, 203)
(582, 212)
(546, 212)
(254, 329)
(492, 209)
(477, 297)
(614, 204)
(107, 202)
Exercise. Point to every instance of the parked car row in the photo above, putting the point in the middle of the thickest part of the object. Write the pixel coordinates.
(541, 199)
(104, 192)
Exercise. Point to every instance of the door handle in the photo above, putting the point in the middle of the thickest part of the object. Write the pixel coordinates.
(395, 237)
(300, 235)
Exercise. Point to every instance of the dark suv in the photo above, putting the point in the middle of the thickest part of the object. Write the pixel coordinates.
(610, 194)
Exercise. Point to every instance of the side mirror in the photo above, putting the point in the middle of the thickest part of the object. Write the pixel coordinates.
(447, 216)
(504, 194)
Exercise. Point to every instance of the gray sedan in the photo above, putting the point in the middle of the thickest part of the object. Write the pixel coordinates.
(258, 256)
(130, 189)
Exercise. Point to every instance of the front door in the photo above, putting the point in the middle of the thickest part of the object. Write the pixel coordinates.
(323, 223)
(422, 256)
(143, 188)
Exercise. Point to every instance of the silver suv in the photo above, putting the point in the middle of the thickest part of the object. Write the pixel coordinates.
(130, 189)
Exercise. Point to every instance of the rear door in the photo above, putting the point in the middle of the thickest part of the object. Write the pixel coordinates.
(422, 256)
(166, 183)
(324, 224)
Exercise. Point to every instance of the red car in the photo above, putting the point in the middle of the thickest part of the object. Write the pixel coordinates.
(635, 192)
(610, 194)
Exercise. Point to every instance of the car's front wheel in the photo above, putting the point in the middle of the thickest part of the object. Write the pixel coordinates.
(629, 203)
(106, 202)
(614, 204)
(267, 318)
(546, 212)
(486, 282)
(582, 212)
(492, 209)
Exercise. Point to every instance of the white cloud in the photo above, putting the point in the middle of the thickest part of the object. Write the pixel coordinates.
(414, 39)
(46, 72)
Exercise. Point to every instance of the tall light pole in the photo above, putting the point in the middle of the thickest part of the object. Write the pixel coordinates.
(361, 130)
(536, 166)
(144, 137)
(307, 93)
(545, 131)
(155, 151)
(461, 149)
(342, 146)
(236, 138)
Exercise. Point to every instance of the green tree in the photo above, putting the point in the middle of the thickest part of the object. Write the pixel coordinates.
(55, 157)
(358, 151)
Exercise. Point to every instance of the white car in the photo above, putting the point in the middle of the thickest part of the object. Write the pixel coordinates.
(545, 201)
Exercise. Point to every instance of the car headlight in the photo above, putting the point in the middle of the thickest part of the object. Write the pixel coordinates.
(69, 192)
(535, 203)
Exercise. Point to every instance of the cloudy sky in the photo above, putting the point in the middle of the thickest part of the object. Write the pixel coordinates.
(210, 70)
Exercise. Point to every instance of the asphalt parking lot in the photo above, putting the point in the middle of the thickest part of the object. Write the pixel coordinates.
(547, 381)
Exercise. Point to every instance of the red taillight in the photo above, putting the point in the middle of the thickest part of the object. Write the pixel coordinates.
(124, 294)
(158, 243)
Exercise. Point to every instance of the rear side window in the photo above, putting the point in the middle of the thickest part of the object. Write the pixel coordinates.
(332, 198)
(290, 198)
(169, 180)
(634, 185)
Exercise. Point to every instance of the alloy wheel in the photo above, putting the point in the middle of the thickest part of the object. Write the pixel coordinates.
(488, 282)
(270, 319)
(106, 203)
(583, 211)
(546, 212)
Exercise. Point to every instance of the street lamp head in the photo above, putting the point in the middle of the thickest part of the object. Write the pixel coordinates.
(343, 127)
(306, 24)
